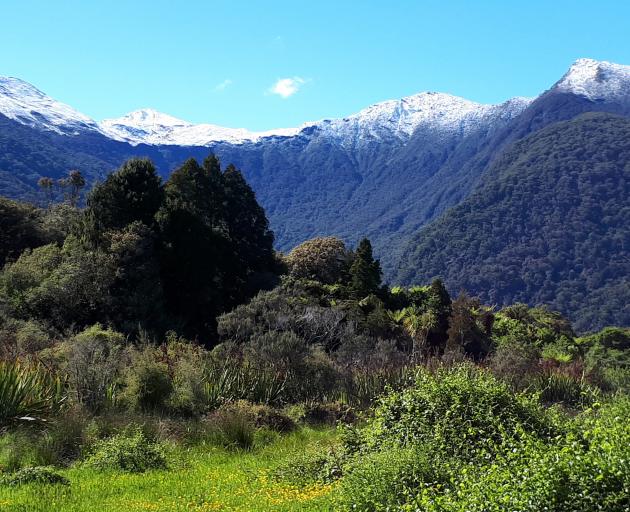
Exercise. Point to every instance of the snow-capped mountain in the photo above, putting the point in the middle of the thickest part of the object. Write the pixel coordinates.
(383, 172)
(393, 119)
(596, 80)
(27, 105)
(382, 121)
(439, 112)
(148, 126)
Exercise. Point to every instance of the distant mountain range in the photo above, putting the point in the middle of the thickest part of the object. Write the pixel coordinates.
(386, 172)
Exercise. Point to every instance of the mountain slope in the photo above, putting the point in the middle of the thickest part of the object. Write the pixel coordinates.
(29, 106)
(384, 172)
(549, 223)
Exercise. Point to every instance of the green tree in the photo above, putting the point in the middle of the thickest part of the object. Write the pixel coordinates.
(132, 193)
(440, 302)
(20, 228)
(365, 271)
(46, 184)
(251, 239)
(195, 247)
(76, 182)
(323, 259)
(467, 325)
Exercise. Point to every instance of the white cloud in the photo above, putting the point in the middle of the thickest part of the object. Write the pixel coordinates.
(286, 87)
(223, 85)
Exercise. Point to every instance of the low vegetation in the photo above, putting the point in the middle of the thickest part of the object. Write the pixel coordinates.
(156, 354)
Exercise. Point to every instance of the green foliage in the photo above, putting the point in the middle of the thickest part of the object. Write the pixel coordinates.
(583, 466)
(148, 381)
(93, 361)
(133, 193)
(387, 479)
(456, 411)
(34, 475)
(544, 226)
(208, 255)
(365, 271)
(609, 348)
(324, 259)
(20, 229)
(28, 394)
(130, 451)
(62, 286)
(235, 427)
(556, 387)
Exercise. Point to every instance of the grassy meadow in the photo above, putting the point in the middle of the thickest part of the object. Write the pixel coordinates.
(200, 478)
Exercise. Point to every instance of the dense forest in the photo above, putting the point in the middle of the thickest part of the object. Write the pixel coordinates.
(548, 225)
(154, 332)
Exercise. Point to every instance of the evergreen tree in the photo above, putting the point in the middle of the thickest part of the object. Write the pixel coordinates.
(440, 302)
(195, 248)
(76, 182)
(132, 193)
(365, 272)
(248, 227)
(20, 229)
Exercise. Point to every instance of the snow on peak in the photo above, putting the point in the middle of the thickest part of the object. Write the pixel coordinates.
(596, 80)
(148, 126)
(27, 105)
(440, 112)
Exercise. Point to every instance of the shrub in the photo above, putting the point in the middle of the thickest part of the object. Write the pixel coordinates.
(515, 362)
(385, 480)
(34, 475)
(63, 441)
(329, 413)
(21, 338)
(28, 394)
(94, 359)
(233, 428)
(188, 363)
(319, 463)
(558, 388)
(456, 411)
(148, 381)
(129, 451)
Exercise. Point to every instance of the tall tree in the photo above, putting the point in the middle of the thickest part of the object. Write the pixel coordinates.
(248, 228)
(365, 271)
(132, 193)
(46, 184)
(20, 229)
(464, 330)
(195, 248)
(440, 302)
(76, 182)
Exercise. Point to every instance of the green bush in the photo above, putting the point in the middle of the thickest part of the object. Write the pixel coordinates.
(319, 463)
(148, 381)
(558, 388)
(34, 475)
(129, 451)
(233, 428)
(585, 467)
(385, 480)
(457, 411)
(28, 394)
(322, 413)
(94, 359)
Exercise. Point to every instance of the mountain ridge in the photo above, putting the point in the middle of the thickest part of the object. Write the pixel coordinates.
(384, 172)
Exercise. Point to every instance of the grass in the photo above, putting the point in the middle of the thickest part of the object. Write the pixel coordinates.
(202, 478)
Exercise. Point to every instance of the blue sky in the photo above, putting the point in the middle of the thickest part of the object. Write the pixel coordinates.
(262, 65)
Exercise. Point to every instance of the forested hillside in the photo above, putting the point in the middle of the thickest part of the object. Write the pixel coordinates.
(550, 223)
